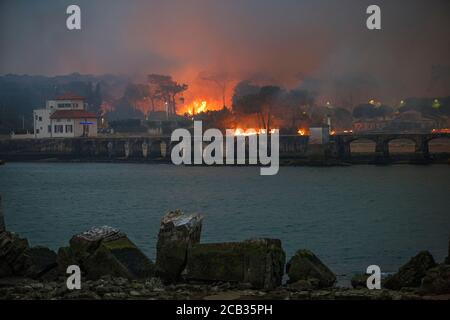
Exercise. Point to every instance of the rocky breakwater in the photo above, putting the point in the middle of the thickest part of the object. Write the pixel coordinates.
(17, 258)
(258, 262)
(421, 274)
(114, 268)
(105, 251)
(181, 256)
(177, 234)
(306, 271)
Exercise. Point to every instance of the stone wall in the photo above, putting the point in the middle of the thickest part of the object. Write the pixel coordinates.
(113, 148)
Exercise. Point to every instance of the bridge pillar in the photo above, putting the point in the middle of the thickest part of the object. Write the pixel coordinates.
(110, 147)
(382, 149)
(422, 151)
(342, 148)
(127, 149)
(145, 149)
(346, 150)
(168, 149)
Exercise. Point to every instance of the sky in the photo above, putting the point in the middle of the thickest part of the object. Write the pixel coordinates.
(285, 42)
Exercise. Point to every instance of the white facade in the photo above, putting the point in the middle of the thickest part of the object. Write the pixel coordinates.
(66, 104)
(42, 124)
(64, 118)
(319, 135)
(63, 128)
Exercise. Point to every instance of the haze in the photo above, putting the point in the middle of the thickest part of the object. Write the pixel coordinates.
(286, 42)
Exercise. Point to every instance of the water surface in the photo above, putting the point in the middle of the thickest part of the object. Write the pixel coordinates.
(350, 217)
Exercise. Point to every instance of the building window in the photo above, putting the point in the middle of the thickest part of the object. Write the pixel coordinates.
(69, 128)
(40, 118)
(59, 128)
(49, 129)
(37, 130)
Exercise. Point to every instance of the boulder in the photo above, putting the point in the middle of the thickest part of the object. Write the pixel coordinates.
(18, 259)
(359, 281)
(304, 265)
(259, 262)
(410, 275)
(104, 251)
(14, 259)
(177, 233)
(41, 261)
(65, 258)
(437, 280)
(304, 285)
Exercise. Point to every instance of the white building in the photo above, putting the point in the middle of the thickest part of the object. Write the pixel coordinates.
(64, 117)
(319, 135)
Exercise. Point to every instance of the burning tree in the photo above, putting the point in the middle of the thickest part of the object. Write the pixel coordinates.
(220, 79)
(274, 106)
(165, 88)
(262, 103)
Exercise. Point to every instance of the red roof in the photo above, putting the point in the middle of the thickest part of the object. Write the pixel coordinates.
(72, 114)
(69, 96)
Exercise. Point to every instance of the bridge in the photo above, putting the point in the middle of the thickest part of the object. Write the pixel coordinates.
(381, 140)
(98, 148)
(159, 147)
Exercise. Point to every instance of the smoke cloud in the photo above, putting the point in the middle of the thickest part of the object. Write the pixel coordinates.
(323, 45)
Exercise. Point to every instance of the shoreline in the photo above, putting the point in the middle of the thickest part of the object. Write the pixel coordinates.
(113, 267)
(284, 162)
(117, 288)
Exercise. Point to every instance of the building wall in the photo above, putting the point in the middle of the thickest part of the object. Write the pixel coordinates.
(41, 120)
(79, 128)
(319, 135)
(44, 127)
(67, 127)
(65, 104)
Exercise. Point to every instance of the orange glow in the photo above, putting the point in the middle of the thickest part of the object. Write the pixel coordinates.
(445, 130)
(199, 105)
(332, 132)
(301, 132)
(251, 131)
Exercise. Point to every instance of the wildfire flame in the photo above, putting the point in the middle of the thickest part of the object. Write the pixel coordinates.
(301, 132)
(198, 106)
(251, 131)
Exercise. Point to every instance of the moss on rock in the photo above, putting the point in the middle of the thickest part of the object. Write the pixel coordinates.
(411, 274)
(259, 262)
(305, 265)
